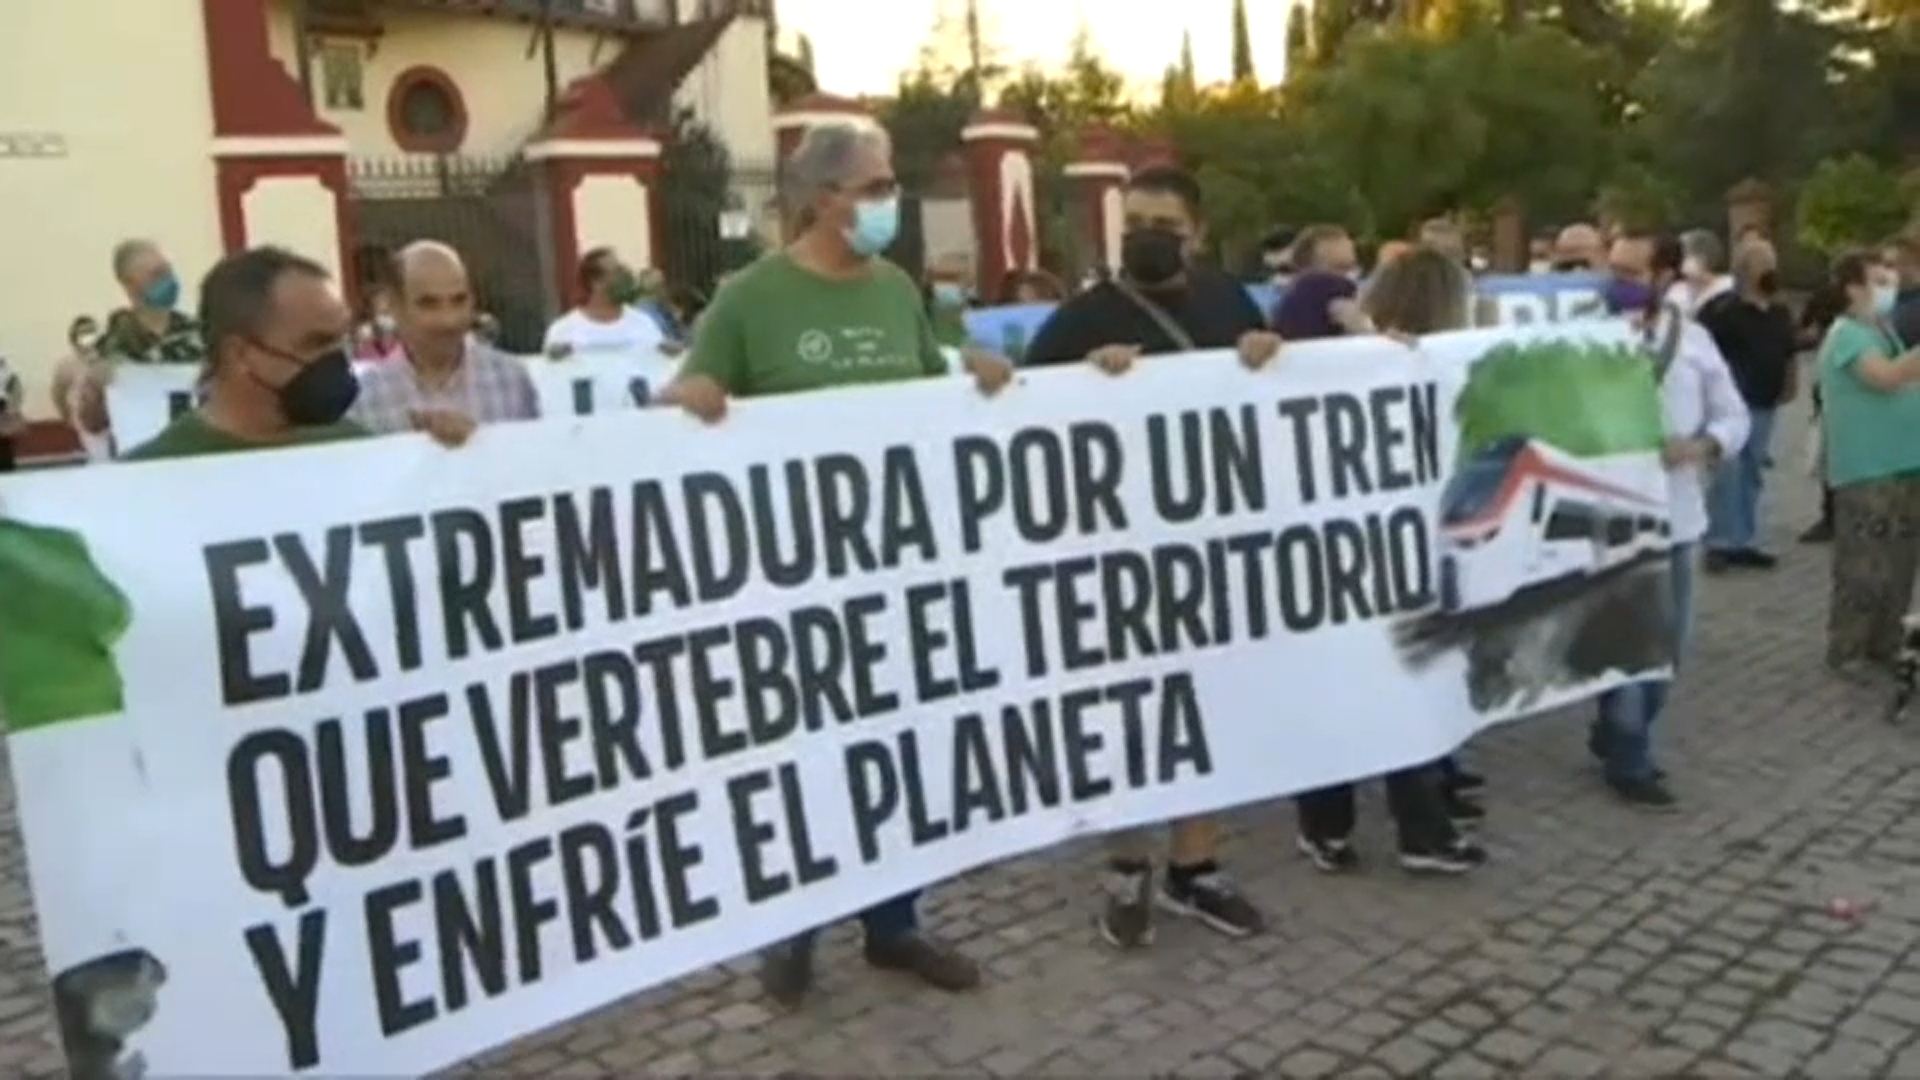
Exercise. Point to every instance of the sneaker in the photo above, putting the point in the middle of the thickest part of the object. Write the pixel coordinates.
(1462, 810)
(1125, 918)
(1751, 559)
(937, 965)
(786, 970)
(1716, 562)
(1455, 858)
(1330, 856)
(1212, 899)
(1821, 533)
(1650, 793)
(1462, 780)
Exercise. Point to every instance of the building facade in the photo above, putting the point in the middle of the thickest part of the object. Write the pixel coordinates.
(523, 131)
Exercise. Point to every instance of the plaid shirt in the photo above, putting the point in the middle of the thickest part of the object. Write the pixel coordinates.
(490, 387)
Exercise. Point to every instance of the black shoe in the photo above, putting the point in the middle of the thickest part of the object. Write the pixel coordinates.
(1752, 559)
(1463, 811)
(1212, 899)
(786, 970)
(1330, 856)
(939, 966)
(1716, 561)
(1125, 918)
(1461, 780)
(1455, 858)
(1650, 793)
(1821, 533)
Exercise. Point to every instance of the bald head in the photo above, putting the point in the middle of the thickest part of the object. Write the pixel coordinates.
(435, 311)
(1578, 247)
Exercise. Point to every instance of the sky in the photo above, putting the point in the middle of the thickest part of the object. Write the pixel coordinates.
(860, 46)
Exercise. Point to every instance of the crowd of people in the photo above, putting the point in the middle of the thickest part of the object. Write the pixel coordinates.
(277, 347)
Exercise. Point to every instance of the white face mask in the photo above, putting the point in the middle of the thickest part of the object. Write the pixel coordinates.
(1884, 297)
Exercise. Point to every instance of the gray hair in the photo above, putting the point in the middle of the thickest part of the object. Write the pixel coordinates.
(823, 159)
(126, 252)
(1703, 245)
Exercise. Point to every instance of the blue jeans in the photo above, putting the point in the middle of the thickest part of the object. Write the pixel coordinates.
(885, 920)
(1625, 727)
(1733, 505)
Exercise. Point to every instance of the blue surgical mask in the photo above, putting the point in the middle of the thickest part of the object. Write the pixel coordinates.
(949, 294)
(1884, 297)
(1625, 295)
(875, 223)
(162, 293)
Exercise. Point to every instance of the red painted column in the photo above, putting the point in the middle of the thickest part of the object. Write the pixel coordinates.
(1098, 174)
(590, 136)
(999, 153)
(264, 127)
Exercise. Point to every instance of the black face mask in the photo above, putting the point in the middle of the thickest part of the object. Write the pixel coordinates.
(322, 391)
(1152, 257)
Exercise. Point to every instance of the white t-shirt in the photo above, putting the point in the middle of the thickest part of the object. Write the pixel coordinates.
(633, 331)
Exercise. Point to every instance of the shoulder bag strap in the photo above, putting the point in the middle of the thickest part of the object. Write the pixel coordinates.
(1158, 314)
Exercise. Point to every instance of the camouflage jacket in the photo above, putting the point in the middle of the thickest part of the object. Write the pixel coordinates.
(127, 339)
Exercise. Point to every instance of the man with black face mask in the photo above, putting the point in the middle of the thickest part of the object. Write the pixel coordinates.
(277, 367)
(1162, 301)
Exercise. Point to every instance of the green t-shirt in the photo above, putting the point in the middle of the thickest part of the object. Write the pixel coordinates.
(190, 436)
(776, 328)
(1871, 434)
(950, 327)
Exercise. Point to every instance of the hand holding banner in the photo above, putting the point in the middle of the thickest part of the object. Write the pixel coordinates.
(382, 774)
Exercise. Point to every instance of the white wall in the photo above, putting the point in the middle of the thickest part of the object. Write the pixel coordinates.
(728, 91)
(503, 85)
(123, 86)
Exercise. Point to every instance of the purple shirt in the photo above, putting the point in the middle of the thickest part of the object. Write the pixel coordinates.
(1302, 313)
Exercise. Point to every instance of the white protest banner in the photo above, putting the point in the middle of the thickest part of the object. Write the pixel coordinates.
(144, 398)
(595, 382)
(364, 779)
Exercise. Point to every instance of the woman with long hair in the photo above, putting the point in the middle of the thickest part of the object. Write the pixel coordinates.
(1422, 291)
(1870, 399)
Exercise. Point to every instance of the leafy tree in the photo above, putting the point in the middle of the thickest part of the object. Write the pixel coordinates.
(1299, 44)
(696, 189)
(1180, 87)
(1847, 202)
(1746, 89)
(924, 118)
(1243, 71)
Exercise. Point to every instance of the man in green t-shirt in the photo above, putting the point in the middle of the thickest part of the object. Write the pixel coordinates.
(277, 373)
(829, 312)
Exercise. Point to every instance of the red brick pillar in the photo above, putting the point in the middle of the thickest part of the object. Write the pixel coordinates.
(1098, 174)
(999, 150)
(602, 178)
(267, 139)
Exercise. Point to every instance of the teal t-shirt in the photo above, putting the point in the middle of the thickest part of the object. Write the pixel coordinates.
(1871, 434)
(777, 328)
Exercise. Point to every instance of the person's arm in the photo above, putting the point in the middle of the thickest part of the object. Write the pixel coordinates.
(719, 355)
(1857, 351)
(933, 361)
(1064, 338)
(1727, 418)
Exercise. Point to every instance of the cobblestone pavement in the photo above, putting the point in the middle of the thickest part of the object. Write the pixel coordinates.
(1602, 941)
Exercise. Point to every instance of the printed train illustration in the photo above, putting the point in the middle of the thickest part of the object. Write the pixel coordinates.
(1520, 513)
